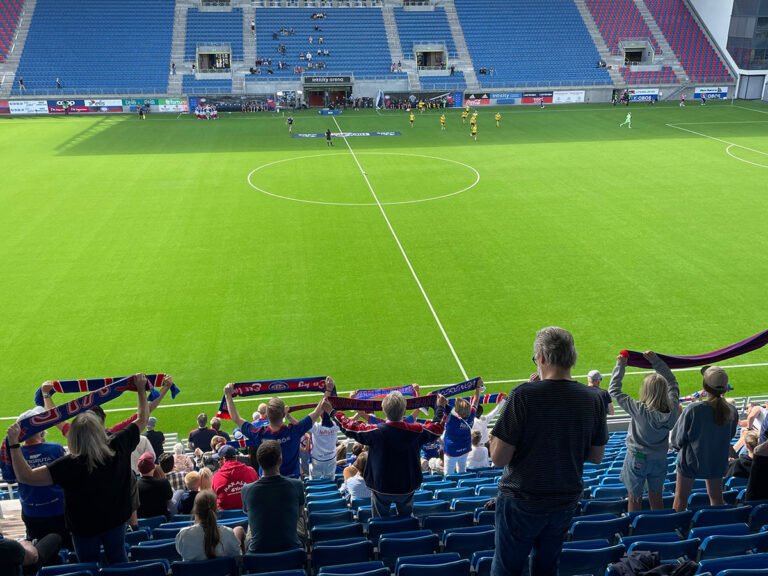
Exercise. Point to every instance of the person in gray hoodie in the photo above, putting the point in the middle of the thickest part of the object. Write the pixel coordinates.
(653, 416)
(702, 438)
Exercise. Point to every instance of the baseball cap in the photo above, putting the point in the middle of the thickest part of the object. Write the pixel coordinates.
(227, 452)
(595, 375)
(146, 463)
(716, 379)
(31, 412)
(151, 421)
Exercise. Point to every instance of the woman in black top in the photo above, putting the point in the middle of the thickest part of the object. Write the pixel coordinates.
(96, 477)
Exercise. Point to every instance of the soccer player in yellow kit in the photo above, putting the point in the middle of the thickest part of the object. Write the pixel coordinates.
(464, 117)
(466, 109)
(442, 122)
(421, 106)
(498, 119)
(411, 118)
(473, 131)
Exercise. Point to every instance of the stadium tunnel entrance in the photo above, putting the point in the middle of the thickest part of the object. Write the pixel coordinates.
(327, 91)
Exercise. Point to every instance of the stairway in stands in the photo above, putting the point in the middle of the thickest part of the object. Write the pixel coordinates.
(465, 63)
(670, 58)
(178, 44)
(597, 38)
(9, 66)
(395, 47)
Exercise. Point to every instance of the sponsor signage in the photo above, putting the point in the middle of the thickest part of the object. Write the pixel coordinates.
(536, 98)
(4, 107)
(643, 94)
(711, 92)
(28, 106)
(84, 106)
(569, 96)
(326, 80)
(346, 134)
(327, 112)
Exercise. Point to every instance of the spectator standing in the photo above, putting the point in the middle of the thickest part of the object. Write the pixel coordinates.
(42, 507)
(393, 471)
(206, 539)
(155, 437)
(216, 426)
(96, 477)
(22, 88)
(273, 504)
(702, 437)
(594, 378)
(154, 493)
(201, 437)
(457, 441)
(323, 451)
(288, 436)
(143, 446)
(653, 417)
(481, 421)
(229, 479)
(478, 456)
(58, 84)
(553, 423)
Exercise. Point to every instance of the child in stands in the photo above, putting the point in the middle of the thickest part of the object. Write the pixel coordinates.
(478, 456)
(458, 433)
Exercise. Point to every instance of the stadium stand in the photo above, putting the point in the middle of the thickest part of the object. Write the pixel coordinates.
(214, 28)
(455, 82)
(97, 47)
(191, 85)
(664, 76)
(355, 38)
(694, 50)
(10, 10)
(423, 26)
(530, 43)
(619, 20)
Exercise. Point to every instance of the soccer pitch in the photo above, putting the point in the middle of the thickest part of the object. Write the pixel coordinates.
(228, 250)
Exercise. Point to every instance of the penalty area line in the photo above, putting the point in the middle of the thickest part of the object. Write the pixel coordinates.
(402, 251)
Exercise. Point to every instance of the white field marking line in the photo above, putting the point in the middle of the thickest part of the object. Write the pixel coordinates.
(750, 109)
(732, 155)
(723, 122)
(427, 386)
(321, 202)
(717, 139)
(402, 251)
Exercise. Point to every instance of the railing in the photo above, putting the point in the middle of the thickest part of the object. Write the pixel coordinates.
(562, 84)
(88, 92)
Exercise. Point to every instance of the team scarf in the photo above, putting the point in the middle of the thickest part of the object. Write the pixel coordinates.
(50, 418)
(484, 399)
(263, 387)
(759, 340)
(378, 393)
(93, 384)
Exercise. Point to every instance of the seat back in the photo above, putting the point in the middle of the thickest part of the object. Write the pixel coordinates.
(654, 523)
(588, 530)
(594, 562)
(89, 567)
(330, 517)
(720, 530)
(166, 550)
(749, 561)
(669, 550)
(722, 546)
(379, 526)
(336, 531)
(264, 562)
(457, 568)
(215, 567)
(151, 569)
(391, 547)
(341, 552)
(720, 516)
(440, 522)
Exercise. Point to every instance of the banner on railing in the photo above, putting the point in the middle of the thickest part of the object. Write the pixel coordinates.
(643, 94)
(711, 92)
(537, 98)
(28, 106)
(4, 107)
(569, 96)
(84, 106)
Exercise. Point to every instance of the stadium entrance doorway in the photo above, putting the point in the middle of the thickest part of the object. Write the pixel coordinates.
(327, 98)
(327, 91)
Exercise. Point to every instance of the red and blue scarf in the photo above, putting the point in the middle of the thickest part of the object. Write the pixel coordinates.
(93, 384)
(272, 387)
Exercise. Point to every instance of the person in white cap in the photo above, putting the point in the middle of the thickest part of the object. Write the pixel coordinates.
(594, 378)
(702, 437)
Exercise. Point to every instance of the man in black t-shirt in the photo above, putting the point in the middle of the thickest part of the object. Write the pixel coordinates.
(154, 493)
(155, 437)
(201, 438)
(545, 432)
(594, 378)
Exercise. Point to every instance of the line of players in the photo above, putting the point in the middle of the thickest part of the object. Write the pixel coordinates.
(464, 115)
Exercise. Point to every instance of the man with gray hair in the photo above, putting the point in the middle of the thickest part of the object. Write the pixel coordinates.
(545, 432)
(594, 378)
(393, 472)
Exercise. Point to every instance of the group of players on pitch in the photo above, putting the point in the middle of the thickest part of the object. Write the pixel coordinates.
(464, 115)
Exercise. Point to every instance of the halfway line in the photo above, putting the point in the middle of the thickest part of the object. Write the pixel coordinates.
(402, 251)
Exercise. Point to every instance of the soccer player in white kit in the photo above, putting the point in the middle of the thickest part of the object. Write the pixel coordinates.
(627, 120)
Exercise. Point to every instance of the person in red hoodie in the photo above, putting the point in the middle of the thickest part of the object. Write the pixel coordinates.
(229, 479)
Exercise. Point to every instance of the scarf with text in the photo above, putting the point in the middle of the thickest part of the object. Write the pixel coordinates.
(272, 387)
(759, 340)
(484, 398)
(93, 384)
(378, 393)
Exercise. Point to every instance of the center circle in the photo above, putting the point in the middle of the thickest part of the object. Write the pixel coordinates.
(408, 174)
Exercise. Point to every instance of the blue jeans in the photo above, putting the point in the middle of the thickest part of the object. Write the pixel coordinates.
(522, 529)
(380, 504)
(88, 548)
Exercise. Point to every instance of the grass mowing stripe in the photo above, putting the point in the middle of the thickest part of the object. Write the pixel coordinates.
(405, 256)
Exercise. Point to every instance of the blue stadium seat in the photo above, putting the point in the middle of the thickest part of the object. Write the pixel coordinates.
(423, 496)
(227, 566)
(357, 568)
(475, 482)
(722, 530)
(718, 516)
(653, 523)
(165, 533)
(609, 492)
(151, 551)
(315, 496)
(457, 568)
(594, 562)
(392, 546)
(485, 517)
(331, 517)
(325, 505)
(355, 503)
(464, 542)
(744, 572)
(426, 560)
(364, 514)
(749, 562)
(659, 537)
(439, 522)
(281, 573)
(460, 476)
(224, 515)
(451, 493)
(346, 551)
(379, 526)
(721, 546)
(421, 509)
(336, 531)
(90, 567)
(758, 517)
(266, 562)
(136, 536)
(434, 486)
(604, 506)
(487, 491)
(153, 569)
(669, 550)
(581, 530)
(152, 522)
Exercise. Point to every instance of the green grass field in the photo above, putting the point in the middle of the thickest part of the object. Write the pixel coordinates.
(141, 246)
